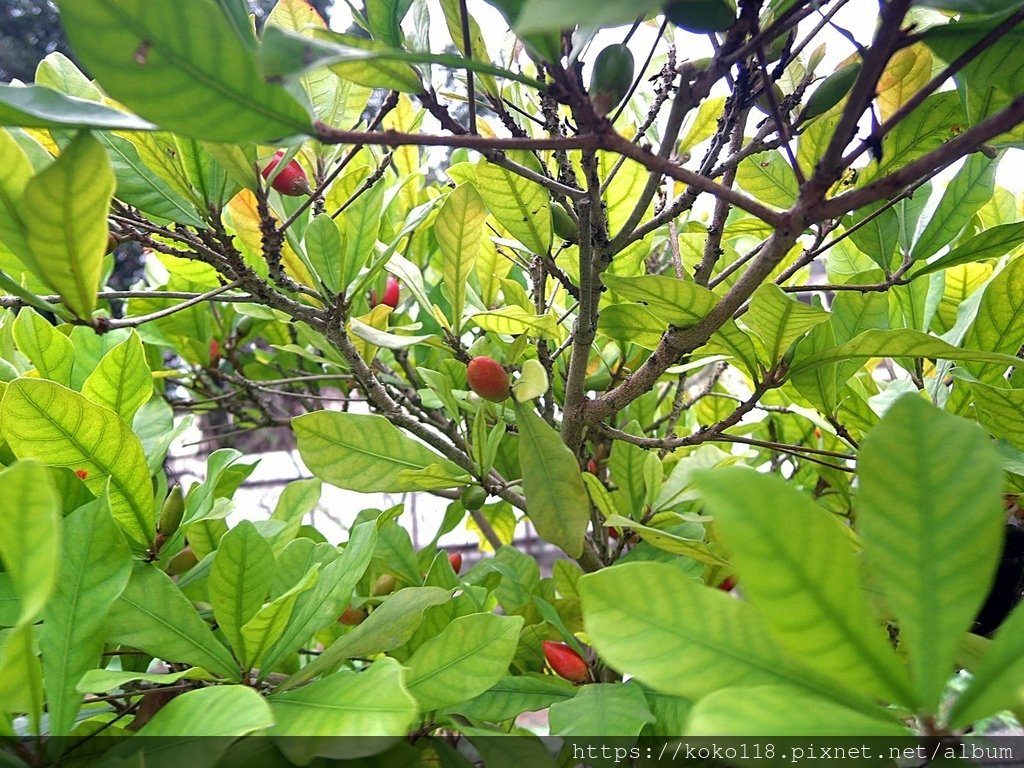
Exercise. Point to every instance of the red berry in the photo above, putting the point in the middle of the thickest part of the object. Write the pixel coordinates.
(613, 533)
(214, 350)
(82, 474)
(455, 558)
(350, 617)
(566, 662)
(727, 584)
(291, 180)
(488, 379)
(391, 292)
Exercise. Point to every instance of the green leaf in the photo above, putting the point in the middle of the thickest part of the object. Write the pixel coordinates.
(1000, 411)
(780, 320)
(239, 580)
(901, 342)
(222, 710)
(679, 302)
(934, 122)
(15, 172)
(519, 205)
(459, 229)
(390, 625)
(993, 243)
(799, 570)
(48, 422)
(324, 250)
(321, 605)
(514, 320)
(695, 642)
(107, 680)
(122, 381)
(50, 351)
(360, 224)
(153, 615)
(262, 630)
(631, 323)
(373, 702)
(65, 212)
(34, 106)
(556, 500)
(30, 535)
(144, 50)
(769, 177)
(555, 15)
(21, 678)
(469, 656)
(997, 681)
(999, 324)
(95, 566)
(607, 709)
(931, 520)
(996, 66)
(384, 18)
(966, 193)
(669, 542)
(781, 710)
(364, 452)
(515, 694)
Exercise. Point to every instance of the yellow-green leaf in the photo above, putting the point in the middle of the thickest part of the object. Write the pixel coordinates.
(65, 211)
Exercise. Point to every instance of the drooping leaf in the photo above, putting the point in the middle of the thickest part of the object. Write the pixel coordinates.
(989, 244)
(556, 501)
(45, 421)
(95, 565)
(182, 66)
(65, 213)
(365, 452)
(35, 106)
(931, 521)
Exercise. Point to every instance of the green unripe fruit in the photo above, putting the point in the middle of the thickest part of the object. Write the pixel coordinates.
(182, 562)
(832, 90)
(563, 224)
(473, 498)
(488, 379)
(612, 77)
(384, 585)
(703, 16)
(172, 512)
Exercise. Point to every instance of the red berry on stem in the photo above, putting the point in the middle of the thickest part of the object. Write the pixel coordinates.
(488, 379)
(566, 662)
(455, 558)
(391, 292)
(291, 180)
(82, 474)
(727, 584)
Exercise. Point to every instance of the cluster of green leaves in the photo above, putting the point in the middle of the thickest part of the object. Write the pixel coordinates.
(556, 262)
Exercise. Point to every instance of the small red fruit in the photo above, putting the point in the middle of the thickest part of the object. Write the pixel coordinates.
(727, 584)
(82, 474)
(214, 351)
(488, 379)
(455, 558)
(566, 662)
(613, 533)
(592, 467)
(391, 292)
(350, 617)
(291, 180)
